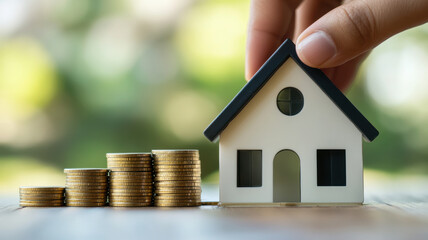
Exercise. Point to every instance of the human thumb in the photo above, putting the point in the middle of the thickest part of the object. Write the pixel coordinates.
(356, 27)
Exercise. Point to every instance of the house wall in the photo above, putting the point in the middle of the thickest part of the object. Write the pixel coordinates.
(320, 125)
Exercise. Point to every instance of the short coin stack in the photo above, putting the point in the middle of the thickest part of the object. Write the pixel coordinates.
(86, 187)
(131, 179)
(177, 178)
(41, 196)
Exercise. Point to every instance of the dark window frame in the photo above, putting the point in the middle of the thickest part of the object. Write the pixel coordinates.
(290, 101)
(331, 168)
(249, 168)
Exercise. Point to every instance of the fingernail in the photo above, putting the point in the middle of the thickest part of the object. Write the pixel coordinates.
(317, 48)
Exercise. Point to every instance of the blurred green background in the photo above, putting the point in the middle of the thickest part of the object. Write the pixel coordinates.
(80, 78)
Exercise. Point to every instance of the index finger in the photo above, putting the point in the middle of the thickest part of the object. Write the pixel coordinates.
(270, 21)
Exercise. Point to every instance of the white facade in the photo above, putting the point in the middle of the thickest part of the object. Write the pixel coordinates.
(319, 125)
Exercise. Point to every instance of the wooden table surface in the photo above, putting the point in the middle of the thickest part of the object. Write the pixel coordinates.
(401, 212)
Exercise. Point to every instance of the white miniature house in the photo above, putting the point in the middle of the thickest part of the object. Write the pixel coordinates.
(290, 136)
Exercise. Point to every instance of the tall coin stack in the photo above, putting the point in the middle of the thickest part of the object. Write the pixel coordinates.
(41, 196)
(86, 187)
(131, 179)
(177, 178)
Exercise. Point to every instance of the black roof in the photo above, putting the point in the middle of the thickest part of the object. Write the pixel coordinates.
(285, 51)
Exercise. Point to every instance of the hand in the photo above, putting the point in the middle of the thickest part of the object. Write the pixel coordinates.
(332, 35)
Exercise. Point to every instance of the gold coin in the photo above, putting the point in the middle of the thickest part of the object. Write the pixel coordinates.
(88, 180)
(177, 191)
(124, 194)
(84, 190)
(41, 189)
(49, 195)
(128, 169)
(42, 204)
(190, 194)
(183, 171)
(173, 163)
(126, 174)
(126, 183)
(93, 187)
(177, 170)
(177, 204)
(176, 200)
(132, 188)
(111, 165)
(120, 204)
(125, 199)
(179, 178)
(164, 198)
(141, 177)
(137, 185)
(74, 182)
(140, 154)
(193, 193)
(176, 157)
(130, 160)
(194, 198)
(24, 198)
(87, 177)
(175, 150)
(147, 181)
(85, 204)
(132, 177)
(133, 165)
(86, 170)
(130, 191)
(83, 181)
(86, 174)
(178, 174)
(131, 198)
(86, 200)
(41, 200)
(96, 185)
(177, 166)
(178, 183)
(86, 195)
(115, 196)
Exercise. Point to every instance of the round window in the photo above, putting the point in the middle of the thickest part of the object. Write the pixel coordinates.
(290, 101)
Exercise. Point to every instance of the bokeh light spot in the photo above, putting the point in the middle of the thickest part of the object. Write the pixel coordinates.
(27, 78)
(187, 114)
(211, 39)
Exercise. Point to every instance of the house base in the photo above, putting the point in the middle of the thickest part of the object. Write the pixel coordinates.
(288, 204)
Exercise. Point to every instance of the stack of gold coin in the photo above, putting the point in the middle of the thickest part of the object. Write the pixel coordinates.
(86, 187)
(41, 196)
(131, 179)
(177, 178)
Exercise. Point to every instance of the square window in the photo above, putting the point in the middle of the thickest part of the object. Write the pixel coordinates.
(331, 167)
(249, 168)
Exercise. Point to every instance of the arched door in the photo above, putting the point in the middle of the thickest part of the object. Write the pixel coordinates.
(286, 177)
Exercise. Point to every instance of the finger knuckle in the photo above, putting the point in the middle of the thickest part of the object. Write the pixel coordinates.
(361, 23)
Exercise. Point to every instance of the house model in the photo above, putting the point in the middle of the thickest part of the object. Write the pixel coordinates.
(290, 136)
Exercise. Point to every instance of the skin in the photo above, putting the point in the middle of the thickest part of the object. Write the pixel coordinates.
(333, 35)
